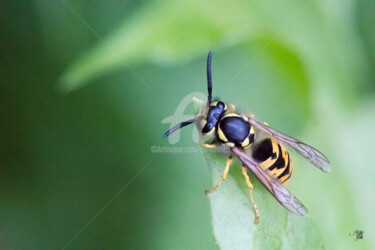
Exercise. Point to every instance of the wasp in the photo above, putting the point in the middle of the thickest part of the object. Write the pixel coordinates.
(266, 157)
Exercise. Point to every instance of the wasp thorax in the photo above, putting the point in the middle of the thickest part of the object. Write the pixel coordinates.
(214, 114)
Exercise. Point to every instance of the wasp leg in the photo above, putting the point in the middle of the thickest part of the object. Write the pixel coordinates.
(213, 145)
(226, 170)
(244, 172)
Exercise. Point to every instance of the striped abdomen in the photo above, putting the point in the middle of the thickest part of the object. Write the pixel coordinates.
(273, 158)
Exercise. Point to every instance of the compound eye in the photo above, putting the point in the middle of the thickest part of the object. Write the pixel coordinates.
(220, 105)
(208, 127)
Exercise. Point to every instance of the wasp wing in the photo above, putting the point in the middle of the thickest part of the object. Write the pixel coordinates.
(282, 195)
(309, 153)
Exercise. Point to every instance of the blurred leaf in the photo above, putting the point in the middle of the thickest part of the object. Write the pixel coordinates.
(164, 32)
(233, 216)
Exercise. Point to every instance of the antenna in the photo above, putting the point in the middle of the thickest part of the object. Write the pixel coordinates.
(178, 126)
(209, 77)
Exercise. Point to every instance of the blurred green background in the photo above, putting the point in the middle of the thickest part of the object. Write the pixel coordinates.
(86, 84)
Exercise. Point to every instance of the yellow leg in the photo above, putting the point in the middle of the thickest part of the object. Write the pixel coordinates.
(244, 172)
(213, 145)
(226, 170)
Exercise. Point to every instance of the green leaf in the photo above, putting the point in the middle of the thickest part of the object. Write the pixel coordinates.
(233, 216)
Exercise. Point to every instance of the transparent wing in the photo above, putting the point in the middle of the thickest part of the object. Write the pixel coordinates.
(309, 153)
(281, 194)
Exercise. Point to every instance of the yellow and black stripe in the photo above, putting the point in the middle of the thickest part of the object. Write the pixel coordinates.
(273, 158)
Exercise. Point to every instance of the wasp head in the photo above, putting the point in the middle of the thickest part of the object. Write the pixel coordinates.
(215, 112)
